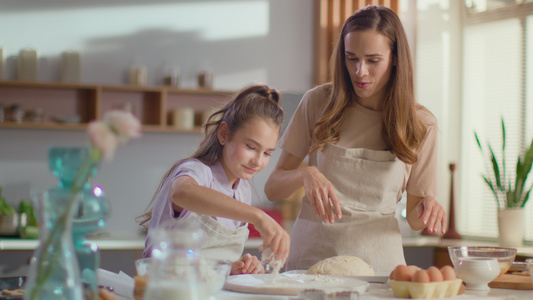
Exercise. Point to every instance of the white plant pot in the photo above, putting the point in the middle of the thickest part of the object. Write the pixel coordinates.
(511, 227)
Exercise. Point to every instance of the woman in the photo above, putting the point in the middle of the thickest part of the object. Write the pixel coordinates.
(368, 141)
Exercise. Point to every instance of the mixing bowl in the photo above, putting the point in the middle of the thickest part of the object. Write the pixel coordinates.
(210, 273)
(214, 274)
(505, 256)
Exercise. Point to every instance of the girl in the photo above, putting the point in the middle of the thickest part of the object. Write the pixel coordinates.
(212, 185)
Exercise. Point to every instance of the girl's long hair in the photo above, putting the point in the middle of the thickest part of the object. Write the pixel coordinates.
(403, 131)
(254, 101)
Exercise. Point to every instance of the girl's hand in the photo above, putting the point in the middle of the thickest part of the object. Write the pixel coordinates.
(274, 237)
(247, 264)
(321, 194)
(432, 215)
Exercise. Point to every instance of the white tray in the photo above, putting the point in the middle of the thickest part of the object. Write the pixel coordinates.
(291, 284)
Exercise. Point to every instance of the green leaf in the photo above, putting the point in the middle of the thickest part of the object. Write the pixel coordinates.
(504, 173)
(5, 209)
(489, 183)
(496, 170)
(25, 207)
(478, 143)
(526, 196)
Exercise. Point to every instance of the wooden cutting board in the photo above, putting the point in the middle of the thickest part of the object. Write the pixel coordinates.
(512, 281)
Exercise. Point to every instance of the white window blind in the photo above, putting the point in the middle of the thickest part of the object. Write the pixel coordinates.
(497, 82)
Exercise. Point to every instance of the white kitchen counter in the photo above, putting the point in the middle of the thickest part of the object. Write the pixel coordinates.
(107, 241)
(384, 292)
(111, 241)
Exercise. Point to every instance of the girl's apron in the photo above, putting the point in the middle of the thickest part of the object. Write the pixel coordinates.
(219, 242)
(368, 184)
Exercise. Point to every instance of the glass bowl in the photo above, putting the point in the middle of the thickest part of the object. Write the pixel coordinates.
(505, 256)
(142, 265)
(214, 273)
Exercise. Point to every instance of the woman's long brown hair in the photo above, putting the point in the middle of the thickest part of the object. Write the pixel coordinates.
(254, 101)
(403, 131)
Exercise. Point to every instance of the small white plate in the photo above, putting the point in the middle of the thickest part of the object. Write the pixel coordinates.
(379, 277)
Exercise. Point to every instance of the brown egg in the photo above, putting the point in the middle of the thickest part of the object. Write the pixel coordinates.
(402, 273)
(448, 273)
(414, 268)
(421, 276)
(435, 274)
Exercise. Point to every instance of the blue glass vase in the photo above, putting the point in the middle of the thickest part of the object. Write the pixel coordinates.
(66, 163)
(55, 273)
(74, 167)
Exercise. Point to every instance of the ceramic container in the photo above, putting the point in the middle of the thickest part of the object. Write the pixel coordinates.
(70, 66)
(477, 272)
(28, 64)
(183, 118)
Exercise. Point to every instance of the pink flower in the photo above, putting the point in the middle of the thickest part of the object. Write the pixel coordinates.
(123, 124)
(116, 127)
(103, 138)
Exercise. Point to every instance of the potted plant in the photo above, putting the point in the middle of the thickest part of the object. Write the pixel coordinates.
(511, 196)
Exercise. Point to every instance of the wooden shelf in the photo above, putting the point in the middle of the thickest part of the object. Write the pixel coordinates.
(153, 105)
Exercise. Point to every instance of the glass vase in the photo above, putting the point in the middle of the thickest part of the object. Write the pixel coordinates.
(90, 214)
(55, 273)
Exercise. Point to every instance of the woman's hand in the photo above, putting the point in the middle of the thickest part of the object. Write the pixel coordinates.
(274, 237)
(426, 213)
(321, 194)
(247, 264)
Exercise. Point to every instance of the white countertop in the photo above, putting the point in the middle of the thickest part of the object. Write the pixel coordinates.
(384, 292)
(109, 241)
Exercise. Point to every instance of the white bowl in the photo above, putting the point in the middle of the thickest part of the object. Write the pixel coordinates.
(477, 272)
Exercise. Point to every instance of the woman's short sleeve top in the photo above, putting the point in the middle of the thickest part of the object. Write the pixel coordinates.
(361, 128)
(211, 176)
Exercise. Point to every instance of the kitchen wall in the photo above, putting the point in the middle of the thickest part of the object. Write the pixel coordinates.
(239, 41)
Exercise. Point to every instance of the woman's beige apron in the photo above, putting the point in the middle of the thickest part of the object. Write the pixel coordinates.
(368, 184)
(219, 242)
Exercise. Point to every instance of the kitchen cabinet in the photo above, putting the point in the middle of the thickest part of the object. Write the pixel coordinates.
(50, 105)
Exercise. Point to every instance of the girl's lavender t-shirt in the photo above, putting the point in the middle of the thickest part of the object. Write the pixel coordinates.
(211, 176)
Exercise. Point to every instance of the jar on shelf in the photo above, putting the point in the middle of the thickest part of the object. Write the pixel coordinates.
(172, 77)
(17, 113)
(2, 113)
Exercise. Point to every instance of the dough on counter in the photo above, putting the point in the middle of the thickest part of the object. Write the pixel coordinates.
(342, 265)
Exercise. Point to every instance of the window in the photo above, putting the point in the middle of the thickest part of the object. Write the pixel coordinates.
(497, 70)
(474, 65)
